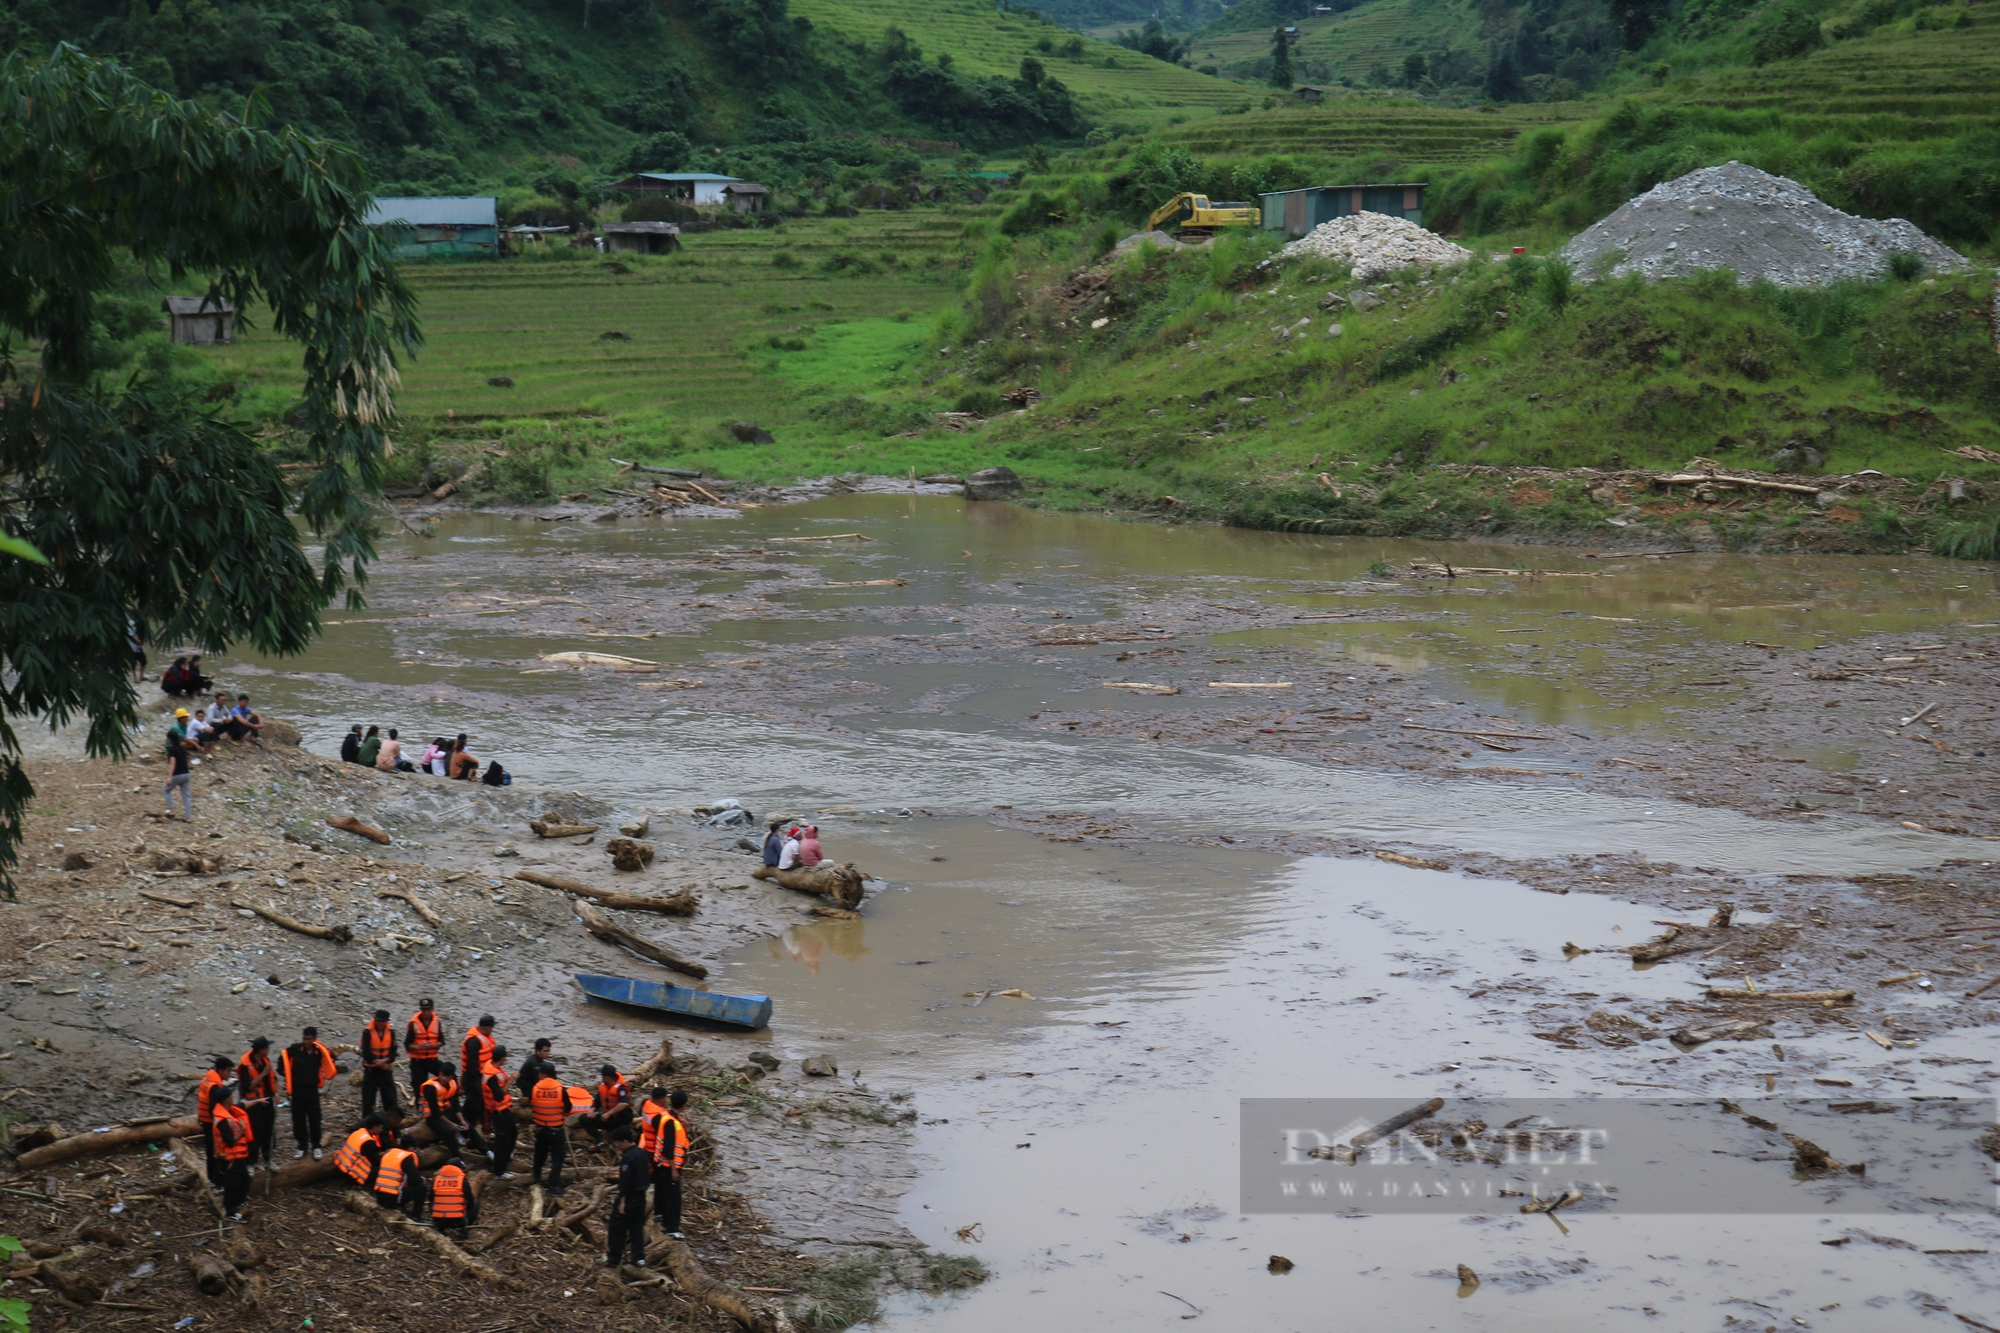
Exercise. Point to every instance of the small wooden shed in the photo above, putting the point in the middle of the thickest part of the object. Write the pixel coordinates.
(200, 320)
(1309, 92)
(641, 238)
(747, 196)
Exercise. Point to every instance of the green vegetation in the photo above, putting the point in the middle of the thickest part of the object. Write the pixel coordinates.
(14, 1311)
(158, 518)
(846, 1291)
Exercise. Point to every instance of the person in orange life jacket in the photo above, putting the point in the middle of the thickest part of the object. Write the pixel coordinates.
(550, 1103)
(257, 1094)
(304, 1068)
(611, 1105)
(398, 1184)
(669, 1155)
(453, 1205)
(498, 1099)
(476, 1048)
(361, 1155)
(220, 1068)
(627, 1228)
(423, 1039)
(378, 1065)
(231, 1138)
(647, 1121)
(438, 1104)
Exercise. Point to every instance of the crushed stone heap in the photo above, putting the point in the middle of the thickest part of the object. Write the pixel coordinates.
(1378, 244)
(1762, 226)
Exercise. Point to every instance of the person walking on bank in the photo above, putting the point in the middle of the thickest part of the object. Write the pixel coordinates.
(437, 1103)
(669, 1155)
(257, 1094)
(452, 1204)
(180, 777)
(307, 1067)
(378, 1066)
(232, 1138)
(550, 1103)
(627, 1228)
(214, 1080)
(498, 1099)
(423, 1038)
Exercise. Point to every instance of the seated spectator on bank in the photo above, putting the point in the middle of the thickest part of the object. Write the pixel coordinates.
(177, 730)
(174, 680)
(433, 757)
(198, 683)
(463, 765)
(390, 757)
(497, 776)
(249, 717)
(809, 852)
(350, 745)
(199, 732)
(788, 856)
(222, 717)
(371, 745)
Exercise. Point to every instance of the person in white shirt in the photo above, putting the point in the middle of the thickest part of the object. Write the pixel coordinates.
(789, 857)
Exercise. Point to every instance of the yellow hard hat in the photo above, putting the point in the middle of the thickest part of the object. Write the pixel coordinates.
(180, 712)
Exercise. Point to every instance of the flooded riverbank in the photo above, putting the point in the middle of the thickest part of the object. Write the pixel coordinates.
(1187, 878)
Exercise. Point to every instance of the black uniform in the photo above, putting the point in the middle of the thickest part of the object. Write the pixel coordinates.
(306, 1075)
(628, 1208)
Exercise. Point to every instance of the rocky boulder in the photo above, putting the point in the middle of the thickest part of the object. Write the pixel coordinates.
(995, 483)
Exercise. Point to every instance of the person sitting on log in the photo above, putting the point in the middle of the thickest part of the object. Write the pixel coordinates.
(453, 1205)
(789, 857)
(774, 844)
(360, 1156)
(809, 852)
(437, 1100)
(611, 1106)
(398, 1185)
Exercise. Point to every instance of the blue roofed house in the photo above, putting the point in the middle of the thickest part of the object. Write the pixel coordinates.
(693, 187)
(463, 225)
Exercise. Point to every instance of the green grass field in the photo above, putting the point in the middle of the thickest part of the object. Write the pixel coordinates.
(1140, 91)
(1353, 42)
(698, 326)
(1369, 125)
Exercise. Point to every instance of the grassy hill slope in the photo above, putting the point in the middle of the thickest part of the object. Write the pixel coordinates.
(1112, 83)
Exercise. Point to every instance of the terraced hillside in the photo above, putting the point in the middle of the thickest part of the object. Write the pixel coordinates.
(1352, 43)
(698, 328)
(1370, 125)
(1113, 83)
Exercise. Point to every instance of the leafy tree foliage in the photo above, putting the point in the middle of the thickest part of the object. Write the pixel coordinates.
(155, 515)
(1154, 40)
(1281, 59)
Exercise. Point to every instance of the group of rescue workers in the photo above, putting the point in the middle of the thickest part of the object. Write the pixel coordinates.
(237, 1103)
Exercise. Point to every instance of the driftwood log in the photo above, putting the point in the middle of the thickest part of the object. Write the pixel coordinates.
(693, 1280)
(661, 1062)
(77, 1145)
(357, 1202)
(338, 934)
(215, 1275)
(417, 905)
(674, 904)
(1690, 1037)
(842, 883)
(350, 824)
(1783, 996)
(558, 826)
(187, 1152)
(629, 854)
(600, 925)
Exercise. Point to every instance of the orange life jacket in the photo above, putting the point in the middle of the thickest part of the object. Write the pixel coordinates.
(579, 1099)
(232, 1133)
(204, 1096)
(351, 1161)
(612, 1095)
(445, 1088)
(502, 1100)
(325, 1067)
(476, 1051)
(448, 1194)
(424, 1041)
(670, 1149)
(378, 1042)
(389, 1177)
(254, 1079)
(547, 1100)
(650, 1112)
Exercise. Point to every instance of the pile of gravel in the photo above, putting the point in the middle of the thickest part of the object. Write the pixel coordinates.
(1762, 226)
(1378, 244)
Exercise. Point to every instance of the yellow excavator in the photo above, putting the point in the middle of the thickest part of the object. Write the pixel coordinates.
(1199, 219)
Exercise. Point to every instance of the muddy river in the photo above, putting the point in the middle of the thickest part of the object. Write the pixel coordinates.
(1179, 877)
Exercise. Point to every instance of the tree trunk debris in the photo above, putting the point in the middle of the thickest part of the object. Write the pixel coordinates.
(690, 1277)
(843, 883)
(352, 824)
(338, 934)
(417, 905)
(357, 1202)
(683, 903)
(77, 1145)
(556, 825)
(600, 925)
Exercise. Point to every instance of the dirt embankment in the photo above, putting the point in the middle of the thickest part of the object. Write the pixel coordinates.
(132, 966)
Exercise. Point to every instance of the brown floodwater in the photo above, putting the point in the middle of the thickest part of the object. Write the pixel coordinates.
(1090, 1133)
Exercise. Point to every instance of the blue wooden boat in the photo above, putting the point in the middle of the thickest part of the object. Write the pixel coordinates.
(744, 1011)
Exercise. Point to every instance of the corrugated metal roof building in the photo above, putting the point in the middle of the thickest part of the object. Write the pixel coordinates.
(463, 225)
(642, 238)
(200, 320)
(1296, 212)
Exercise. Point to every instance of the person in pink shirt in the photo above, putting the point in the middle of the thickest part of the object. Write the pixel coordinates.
(809, 852)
